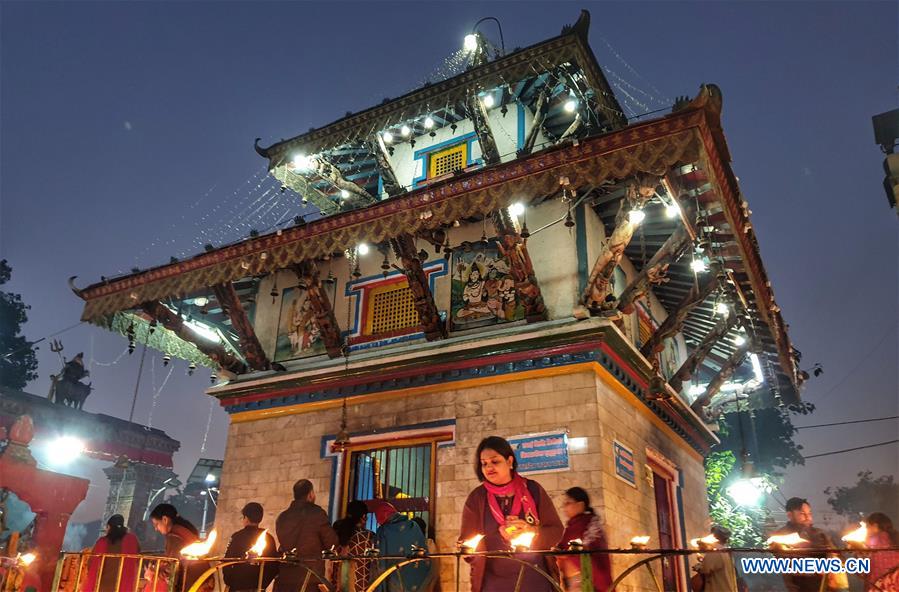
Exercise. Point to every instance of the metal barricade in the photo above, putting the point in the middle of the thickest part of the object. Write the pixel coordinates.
(151, 573)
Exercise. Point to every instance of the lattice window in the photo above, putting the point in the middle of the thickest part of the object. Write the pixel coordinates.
(393, 309)
(447, 161)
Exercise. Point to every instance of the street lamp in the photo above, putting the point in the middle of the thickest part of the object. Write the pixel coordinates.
(207, 495)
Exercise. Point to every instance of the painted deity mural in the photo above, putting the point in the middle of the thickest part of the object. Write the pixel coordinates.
(483, 291)
(298, 333)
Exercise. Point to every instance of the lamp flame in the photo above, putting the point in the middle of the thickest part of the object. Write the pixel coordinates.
(859, 535)
(27, 559)
(473, 542)
(786, 540)
(706, 540)
(200, 548)
(523, 540)
(258, 547)
(640, 541)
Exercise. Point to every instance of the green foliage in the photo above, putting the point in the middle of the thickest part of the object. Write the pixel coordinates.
(769, 438)
(866, 496)
(745, 524)
(18, 363)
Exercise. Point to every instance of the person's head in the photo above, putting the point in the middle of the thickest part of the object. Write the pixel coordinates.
(495, 461)
(115, 528)
(799, 511)
(251, 514)
(474, 275)
(576, 501)
(356, 511)
(880, 522)
(303, 491)
(383, 510)
(721, 533)
(163, 518)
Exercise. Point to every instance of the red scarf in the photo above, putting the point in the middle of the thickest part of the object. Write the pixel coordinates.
(521, 498)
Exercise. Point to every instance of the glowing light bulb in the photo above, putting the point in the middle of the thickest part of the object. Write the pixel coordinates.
(698, 266)
(722, 309)
(362, 249)
(27, 559)
(636, 216)
(672, 210)
(388, 137)
(745, 493)
(696, 390)
(489, 101)
(570, 105)
(405, 131)
(344, 194)
(429, 123)
(516, 209)
(65, 449)
(301, 162)
(739, 340)
(470, 43)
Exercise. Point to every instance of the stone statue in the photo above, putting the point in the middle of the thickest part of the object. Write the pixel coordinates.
(67, 388)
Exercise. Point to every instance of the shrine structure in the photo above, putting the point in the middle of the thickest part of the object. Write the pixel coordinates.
(500, 252)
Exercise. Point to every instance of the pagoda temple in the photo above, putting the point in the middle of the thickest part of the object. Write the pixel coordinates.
(501, 252)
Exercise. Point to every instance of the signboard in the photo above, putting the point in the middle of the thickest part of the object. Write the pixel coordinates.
(541, 453)
(624, 463)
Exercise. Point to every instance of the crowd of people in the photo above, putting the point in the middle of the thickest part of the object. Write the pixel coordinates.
(503, 507)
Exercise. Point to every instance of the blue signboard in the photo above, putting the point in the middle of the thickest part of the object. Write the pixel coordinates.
(624, 463)
(541, 453)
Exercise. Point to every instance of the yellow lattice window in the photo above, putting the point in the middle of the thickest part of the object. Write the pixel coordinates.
(447, 161)
(390, 308)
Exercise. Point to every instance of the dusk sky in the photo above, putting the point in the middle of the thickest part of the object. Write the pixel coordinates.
(126, 137)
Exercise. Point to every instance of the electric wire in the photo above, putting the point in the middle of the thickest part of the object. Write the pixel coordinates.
(839, 423)
(887, 443)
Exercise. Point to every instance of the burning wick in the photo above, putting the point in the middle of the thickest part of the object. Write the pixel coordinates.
(523, 541)
(706, 541)
(258, 547)
(857, 537)
(471, 544)
(640, 542)
(786, 540)
(200, 548)
(27, 559)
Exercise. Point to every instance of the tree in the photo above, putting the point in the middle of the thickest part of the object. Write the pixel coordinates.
(866, 496)
(18, 363)
(767, 435)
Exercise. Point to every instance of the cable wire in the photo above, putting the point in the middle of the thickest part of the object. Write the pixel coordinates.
(811, 456)
(839, 423)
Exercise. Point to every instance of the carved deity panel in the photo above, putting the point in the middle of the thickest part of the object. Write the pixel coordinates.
(298, 332)
(483, 291)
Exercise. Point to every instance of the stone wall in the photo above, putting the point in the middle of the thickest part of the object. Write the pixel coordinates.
(264, 458)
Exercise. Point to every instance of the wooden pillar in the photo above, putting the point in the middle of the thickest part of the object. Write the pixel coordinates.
(478, 114)
(514, 248)
(404, 249)
(307, 273)
(249, 343)
(174, 323)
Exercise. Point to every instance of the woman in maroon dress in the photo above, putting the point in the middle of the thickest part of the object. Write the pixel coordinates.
(504, 506)
(584, 525)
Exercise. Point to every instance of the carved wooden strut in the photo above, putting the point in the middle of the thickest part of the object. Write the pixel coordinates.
(653, 272)
(691, 364)
(513, 248)
(174, 323)
(307, 273)
(727, 370)
(429, 318)
(249, 343)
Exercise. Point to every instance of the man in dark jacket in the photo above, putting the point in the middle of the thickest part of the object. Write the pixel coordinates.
(245, 577)
(304, 530)
(799, 520)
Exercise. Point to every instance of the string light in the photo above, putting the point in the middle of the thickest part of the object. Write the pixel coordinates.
(388, 137)
(405, 131)
(429, 122)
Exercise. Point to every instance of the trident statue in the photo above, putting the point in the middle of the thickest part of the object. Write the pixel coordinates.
(66, 387)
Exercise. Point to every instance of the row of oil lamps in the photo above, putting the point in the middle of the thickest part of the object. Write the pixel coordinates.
(522, 542)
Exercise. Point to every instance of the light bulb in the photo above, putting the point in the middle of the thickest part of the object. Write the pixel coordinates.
(344, 193)
(739, 340)
(429, 123)
(301, 162)
(672, 210)
(570, 105)
(470, 43)
(405, 131)
(516, 209)
(636, 216)
(489, 101)
(388, 137)
(362, 249)
(698, 266)
(745, 493)
(722, 309)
